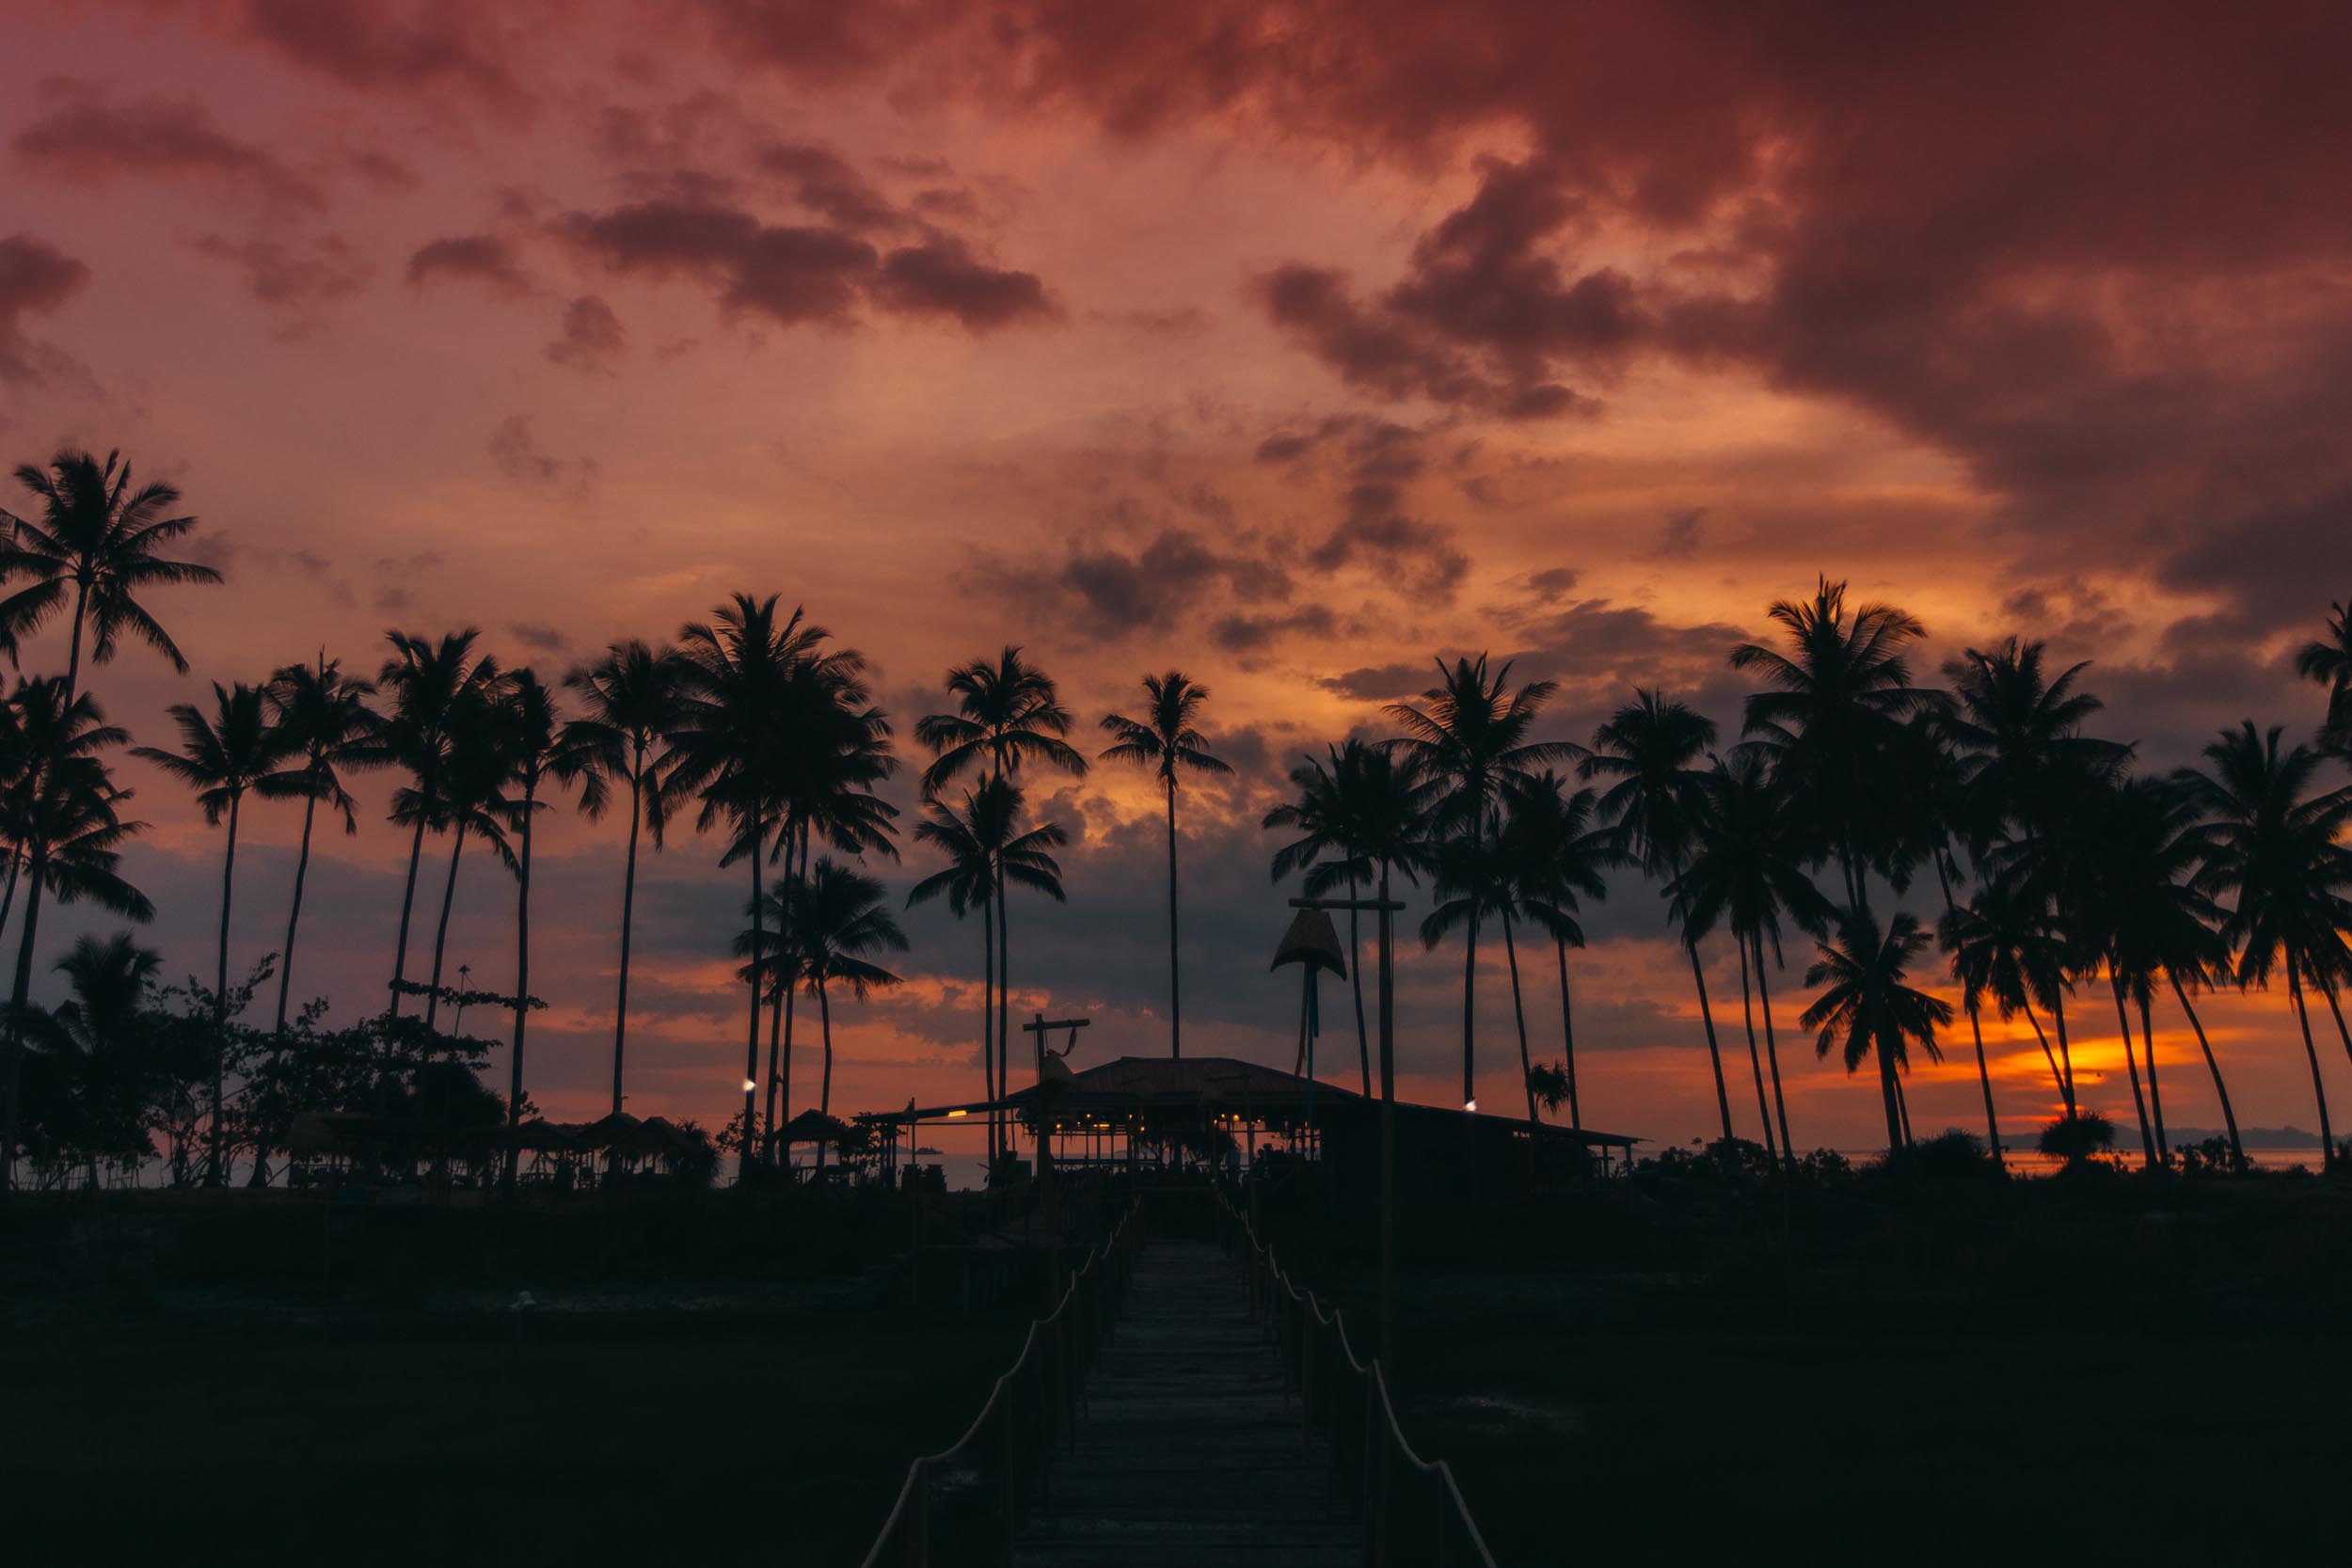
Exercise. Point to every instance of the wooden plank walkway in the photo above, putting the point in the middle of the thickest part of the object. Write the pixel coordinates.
(1192, 1454)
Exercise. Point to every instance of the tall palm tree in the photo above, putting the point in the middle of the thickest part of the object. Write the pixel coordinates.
(1557, 858)
(2027, 769)
(222, 756)
(540, 749)
(1468, 738)
(473, 803)
(324, 720)
(2003, 945)
(1008, 713)
(841, 923)
(99, 536)
(62, 811)
(1866, 1007)
(727, 748)
(2274, 843)
(1746, 870)
(1325, 851)
(431, 690)
(1835, 708)
(1474, 883)
(2329, 660)
(987, 849)
(1654, 802)
(628, 701)
(1166, 740)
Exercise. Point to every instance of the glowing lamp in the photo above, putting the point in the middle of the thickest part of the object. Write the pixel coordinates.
(748, 1086)
(953, 1115)
(1469, 1104)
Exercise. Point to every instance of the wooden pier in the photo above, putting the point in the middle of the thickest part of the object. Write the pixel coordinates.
(1193, 1452)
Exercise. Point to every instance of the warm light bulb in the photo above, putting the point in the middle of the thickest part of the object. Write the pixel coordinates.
(1469, 1104)
(748, 1086)
(953, 1115)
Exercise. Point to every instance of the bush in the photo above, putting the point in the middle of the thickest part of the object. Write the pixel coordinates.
(2077, 1137)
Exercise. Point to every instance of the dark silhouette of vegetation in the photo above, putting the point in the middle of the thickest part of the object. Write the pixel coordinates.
(1166, 741)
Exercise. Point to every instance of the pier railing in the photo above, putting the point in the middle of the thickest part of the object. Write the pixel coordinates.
(960, 1505)
(1412, 1507)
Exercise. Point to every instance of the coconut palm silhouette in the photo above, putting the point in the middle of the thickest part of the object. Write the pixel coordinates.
(1167, 740)
(1866, 1010)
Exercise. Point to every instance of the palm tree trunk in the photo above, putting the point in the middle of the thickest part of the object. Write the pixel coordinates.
(407, 903)
(1004, 1015)
(2065, 1089)
(1355, 975)
(1984, 1080)
(2066, 1056)
(2131, 1065)
(1755, 1059)
(1175, 1005)
(73, 660)
(1902, 1108)
(2221, 1090)
(1470, 989)
(441, 932)
(1771, 1053)
(790, 990)
(775, 1027)
(2155, 1095)
(35, 873)
(628, 916)
(1568, 1037)
(2330, 991)
(8, 898)
(218, 1176)
(522, 999)
(294, 916)
(824, 1102)
(2302, 1015)
(1511, 952)
(1714, 1055)
(988, 1023)
(751, 1027)
(1889, 1092)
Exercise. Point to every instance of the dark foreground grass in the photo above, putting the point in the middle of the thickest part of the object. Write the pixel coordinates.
(782, 1441)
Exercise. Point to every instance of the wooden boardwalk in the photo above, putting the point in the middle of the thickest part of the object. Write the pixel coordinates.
(1192, 1454)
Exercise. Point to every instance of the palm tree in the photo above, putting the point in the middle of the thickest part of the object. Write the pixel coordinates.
(1474, 883)
(1008, 713)
(221, 756)
(323, 718)
(2026, 767)
(540, 749)
(100, 1030)
(2329, 660)
(473, 802)
(2003, 945)
(62, 812)
(728, 746)
(431, 689)
(1867, 1009)
(1746, 870)
(630, 700)
(1166, 740)
(1656, 804)
(1836, 708)
(841, 923)
(99, 536)
(1325, 852)
(986, 851)
(2270, 841)
(1557, 857)
(1468, 738)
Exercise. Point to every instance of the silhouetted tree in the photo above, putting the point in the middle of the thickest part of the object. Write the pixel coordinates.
(1865, 1008)
(323, 718)
(2329, 660)
(840, 924)
(431, 689)
(1166, 741)
(1557, 857)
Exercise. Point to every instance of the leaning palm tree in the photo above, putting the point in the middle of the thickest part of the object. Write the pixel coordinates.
(2003, 945)
(322, 717)
(1835, 708)
(540, 751)
(99, 536)
(1746, 870)
(1468, 738)
(1558, 856)
(2275, 845)
(1865, 1008)
(222, 756)
(628, 701)
(431, 689)
(1166, 741)
(841, 923)
(61, 810)
(1656, 802)
(2329, 660)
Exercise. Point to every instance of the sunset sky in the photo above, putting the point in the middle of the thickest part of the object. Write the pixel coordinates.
(1290, 345)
